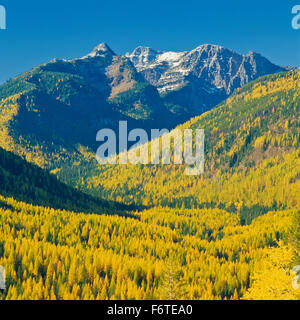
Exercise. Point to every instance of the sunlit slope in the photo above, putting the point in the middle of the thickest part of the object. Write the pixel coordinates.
(51, 254)
(252, 157)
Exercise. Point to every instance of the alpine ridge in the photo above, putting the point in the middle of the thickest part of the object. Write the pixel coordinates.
(54, 111)
(200, 79)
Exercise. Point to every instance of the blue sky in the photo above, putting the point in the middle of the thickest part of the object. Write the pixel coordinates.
(38, 31)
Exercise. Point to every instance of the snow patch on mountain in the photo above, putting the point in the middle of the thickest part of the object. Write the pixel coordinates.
(213, 67)
(99, 51)
(196, 80)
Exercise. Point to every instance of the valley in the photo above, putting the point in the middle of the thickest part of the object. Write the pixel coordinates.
(71, 229)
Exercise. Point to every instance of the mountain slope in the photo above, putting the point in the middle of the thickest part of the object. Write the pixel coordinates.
(28, 183)
(252, 156)
(53, 112)
(112, 75)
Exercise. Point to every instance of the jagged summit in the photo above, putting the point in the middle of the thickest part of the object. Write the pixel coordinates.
(145, 49)
(211, 46)
(143, 55)
(143, 83)
(103, 47)
(203, 77)
(100, 50)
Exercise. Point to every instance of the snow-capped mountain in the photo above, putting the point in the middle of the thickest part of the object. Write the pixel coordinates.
(189, 83)
(154, 88)
(66, 102)
(199, 79)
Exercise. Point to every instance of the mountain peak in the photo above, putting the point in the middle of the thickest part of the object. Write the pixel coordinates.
(100, 50)
(143, 55)
(141, 49)
(103, 47)
(210, 45)
(214, 50)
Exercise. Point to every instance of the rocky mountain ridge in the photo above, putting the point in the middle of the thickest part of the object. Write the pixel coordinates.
(199, 79)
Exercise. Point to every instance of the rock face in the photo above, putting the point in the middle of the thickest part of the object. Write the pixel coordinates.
(200, 79)
(116, 79)
(94, 68)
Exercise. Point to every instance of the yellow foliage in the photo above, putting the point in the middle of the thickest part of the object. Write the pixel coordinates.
(272, 279)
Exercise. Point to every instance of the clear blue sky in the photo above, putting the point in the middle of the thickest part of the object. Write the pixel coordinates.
(39, 31)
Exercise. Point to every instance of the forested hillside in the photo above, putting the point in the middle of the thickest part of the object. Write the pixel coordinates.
(221, 235)
(52, 113)
(252, 160)
(27, 182)
(206, 253)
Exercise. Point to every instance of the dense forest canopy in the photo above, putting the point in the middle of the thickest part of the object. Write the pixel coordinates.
(232, 233)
